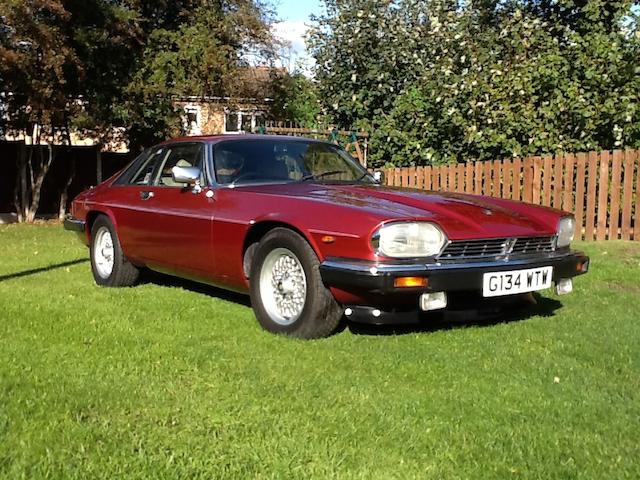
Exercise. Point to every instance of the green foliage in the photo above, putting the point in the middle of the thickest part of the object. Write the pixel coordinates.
(99, 63)
(175, 380)
(295, 99)
(39, 67)
(437, 82)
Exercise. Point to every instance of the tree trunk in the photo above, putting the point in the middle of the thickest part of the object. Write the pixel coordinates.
(20, 189)
(64, 194)
(38, 179)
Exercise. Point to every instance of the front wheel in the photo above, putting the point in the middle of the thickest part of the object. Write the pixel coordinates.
(287, 292)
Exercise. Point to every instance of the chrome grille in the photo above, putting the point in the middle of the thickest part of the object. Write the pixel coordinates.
(475, 248)
(495, 247)
(534, 245)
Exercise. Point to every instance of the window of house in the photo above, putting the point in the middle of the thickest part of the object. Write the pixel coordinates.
(241, 122)
(193, 119)
(231, 122)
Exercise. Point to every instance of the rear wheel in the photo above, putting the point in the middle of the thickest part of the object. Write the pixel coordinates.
(109, 266)
(287, 292)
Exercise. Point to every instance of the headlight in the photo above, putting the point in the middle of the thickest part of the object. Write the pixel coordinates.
(408, 239)
(566, 229)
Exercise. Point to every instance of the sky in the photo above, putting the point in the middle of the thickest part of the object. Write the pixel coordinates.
(294, 20)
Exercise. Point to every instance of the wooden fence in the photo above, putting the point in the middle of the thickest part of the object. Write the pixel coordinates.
(602, 189)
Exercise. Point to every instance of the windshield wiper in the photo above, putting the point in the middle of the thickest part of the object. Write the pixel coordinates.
(320, 175)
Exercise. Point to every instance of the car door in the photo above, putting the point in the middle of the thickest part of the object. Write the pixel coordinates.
(179, 237)
(171, 225)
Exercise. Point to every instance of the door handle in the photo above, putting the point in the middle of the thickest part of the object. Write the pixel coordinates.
(146, 195)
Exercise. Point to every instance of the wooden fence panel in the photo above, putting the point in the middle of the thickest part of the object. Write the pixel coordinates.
(443, 179)
(412, 177)
(603, 196)
(428, 178)
(517, 179)
(602, 189)
(567, 200)
(614, 212)
(486, 179)
(557, 181)
(478, 178)
(627, 194)
(591, 196)
(496, 180)
(547, 171)
(506, 178)
(581, 162)
(420, 177)
(469, 177)
(435, 179)
(460, 178)
(527, 195)
(536, 180)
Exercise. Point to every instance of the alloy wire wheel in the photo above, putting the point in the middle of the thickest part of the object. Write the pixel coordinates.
(287, 293)
(283, 286)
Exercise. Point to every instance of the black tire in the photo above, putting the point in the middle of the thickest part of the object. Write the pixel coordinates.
(123, 273)
(320, 314)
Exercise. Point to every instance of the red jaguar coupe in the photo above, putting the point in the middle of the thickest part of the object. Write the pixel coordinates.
(312, 236)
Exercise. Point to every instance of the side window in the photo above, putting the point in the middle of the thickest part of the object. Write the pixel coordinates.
(179, 155)
(143, 175)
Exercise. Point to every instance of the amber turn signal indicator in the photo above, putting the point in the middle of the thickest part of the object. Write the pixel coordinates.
(410, 282)
(328, 239)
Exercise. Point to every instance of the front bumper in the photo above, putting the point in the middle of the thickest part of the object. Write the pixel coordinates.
(378, 278)
(369, 295)
(74, 224)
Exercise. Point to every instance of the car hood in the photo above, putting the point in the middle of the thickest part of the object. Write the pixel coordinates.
(460, 215)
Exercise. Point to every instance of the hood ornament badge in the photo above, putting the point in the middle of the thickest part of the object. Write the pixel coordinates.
(486, 211)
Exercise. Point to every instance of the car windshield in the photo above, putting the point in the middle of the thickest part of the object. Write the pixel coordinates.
(240, 162)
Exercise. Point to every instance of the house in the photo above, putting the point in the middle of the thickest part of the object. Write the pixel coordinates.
(202, 115)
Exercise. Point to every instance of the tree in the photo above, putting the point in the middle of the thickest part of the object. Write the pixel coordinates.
(438, 81)
(295, 99)
(205, 54)
(39, 69)
(92, 65)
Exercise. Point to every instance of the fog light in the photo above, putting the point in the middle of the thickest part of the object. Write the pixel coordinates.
(376, 313)
(410, 282)
(433, 301)
(564, 286)
(348, 312)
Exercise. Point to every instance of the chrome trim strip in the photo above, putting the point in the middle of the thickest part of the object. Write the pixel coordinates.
(375, 269)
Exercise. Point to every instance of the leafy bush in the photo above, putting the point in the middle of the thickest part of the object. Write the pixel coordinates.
(437, 82)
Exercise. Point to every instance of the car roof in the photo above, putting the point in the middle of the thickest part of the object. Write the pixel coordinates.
(240, 137)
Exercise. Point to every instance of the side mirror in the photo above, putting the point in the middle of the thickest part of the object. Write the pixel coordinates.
(188, 175)
(378, 176)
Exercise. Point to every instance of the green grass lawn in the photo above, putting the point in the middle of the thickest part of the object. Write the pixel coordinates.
(168, 380)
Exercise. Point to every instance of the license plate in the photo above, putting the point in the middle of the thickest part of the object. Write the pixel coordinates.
(495, 284)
